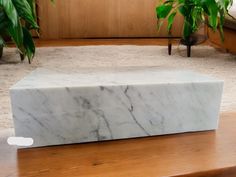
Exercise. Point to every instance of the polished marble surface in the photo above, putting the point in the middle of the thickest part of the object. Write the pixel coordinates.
(55, 107)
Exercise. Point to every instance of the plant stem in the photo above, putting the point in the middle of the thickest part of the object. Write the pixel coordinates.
(22, 57)
(1, 51)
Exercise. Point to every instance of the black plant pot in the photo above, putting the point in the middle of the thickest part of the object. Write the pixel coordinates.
(193, 39)
(1, 51)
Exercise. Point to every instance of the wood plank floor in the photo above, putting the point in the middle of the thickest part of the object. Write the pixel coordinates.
(204, 154)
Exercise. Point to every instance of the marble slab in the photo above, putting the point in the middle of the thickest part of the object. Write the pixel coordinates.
(57, 108)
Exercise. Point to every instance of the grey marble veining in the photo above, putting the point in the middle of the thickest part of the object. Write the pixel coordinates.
(63, 108)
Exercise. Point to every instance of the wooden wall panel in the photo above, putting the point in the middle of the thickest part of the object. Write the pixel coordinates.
(48, 19)
(100, 19)
(229, 41)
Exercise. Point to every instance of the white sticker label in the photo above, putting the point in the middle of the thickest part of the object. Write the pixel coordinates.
(20, 141)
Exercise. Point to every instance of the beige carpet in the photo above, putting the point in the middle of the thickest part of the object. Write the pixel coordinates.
(204, 60)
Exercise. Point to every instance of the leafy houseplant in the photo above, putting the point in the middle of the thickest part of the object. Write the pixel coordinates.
(195, 13)
(17, 19)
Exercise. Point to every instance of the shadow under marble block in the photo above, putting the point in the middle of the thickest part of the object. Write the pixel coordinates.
(57, 108)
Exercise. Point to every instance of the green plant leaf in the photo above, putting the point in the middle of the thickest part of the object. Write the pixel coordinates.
(17, 35)
(3, 21)
(28, 44)
(183, 10)
(162, 11)
(213, 13)
(10, 11)
(25, 11)
(187, 31)
(171, 20)
(32, 4)
(2, 43)
(195, 18)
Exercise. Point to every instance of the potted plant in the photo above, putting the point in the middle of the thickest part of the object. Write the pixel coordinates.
(17, 19)
(195, 13)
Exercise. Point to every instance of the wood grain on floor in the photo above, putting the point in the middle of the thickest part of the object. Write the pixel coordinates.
(202, 154)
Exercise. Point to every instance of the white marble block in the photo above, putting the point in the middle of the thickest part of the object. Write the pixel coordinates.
(57, 108)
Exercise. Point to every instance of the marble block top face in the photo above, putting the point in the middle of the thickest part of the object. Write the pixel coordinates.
(44, 78)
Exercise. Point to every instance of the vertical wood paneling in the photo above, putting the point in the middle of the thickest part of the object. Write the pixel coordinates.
(49, 19)
(100, 19)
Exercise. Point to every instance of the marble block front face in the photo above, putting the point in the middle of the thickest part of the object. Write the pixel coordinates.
(57, 108)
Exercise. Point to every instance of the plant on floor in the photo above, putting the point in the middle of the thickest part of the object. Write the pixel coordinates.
(17, 19)
(195, 12)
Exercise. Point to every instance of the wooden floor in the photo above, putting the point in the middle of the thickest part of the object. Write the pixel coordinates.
(204, 154)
